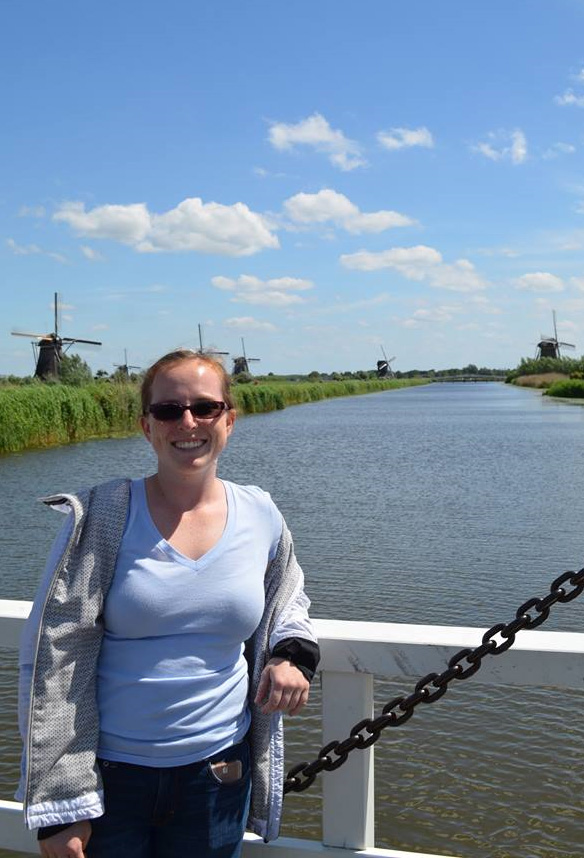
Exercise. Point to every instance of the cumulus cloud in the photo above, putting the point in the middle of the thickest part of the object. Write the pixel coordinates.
(277, 292)
(328, 206)
(405, 138)
(193, 226)
(420, 263)
(577, 283)
(569, 99)
(248, 323)
(504, 146)
(315, 131)
(539, 281)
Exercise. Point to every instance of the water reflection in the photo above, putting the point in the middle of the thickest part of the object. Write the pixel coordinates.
(447, 504)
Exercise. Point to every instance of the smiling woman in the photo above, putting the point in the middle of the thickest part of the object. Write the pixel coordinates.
(205, 751)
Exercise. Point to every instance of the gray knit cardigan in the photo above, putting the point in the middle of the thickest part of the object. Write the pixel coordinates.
(61, 780)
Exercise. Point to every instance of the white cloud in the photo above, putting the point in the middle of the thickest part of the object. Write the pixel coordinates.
(577, 283)
(23, 249)
(277, 292)
(315, 131)
(248, 323)
(569, 99)
(405, 138)
(420, 263)
(91, 254)
(539, 281)
(192, 226)
(504, 146)
(558, 149)
(127, 224)
(330, 206)
(34, 250)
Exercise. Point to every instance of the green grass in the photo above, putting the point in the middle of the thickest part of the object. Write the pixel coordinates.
(48, 415)
(572, 388)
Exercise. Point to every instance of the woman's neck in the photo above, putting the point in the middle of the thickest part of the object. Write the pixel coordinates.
(186, 494)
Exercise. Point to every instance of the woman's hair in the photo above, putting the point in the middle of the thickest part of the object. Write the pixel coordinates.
(179, 356)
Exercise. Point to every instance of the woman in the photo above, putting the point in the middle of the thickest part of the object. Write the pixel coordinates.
(139, 709)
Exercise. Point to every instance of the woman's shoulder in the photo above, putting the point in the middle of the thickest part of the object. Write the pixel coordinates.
(250, 494)
(255, 501)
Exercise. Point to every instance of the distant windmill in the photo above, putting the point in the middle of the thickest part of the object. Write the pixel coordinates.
(241, 364)
(126, 367)
(550, 346)
(48, 349)
(384, 369)
(204, 351)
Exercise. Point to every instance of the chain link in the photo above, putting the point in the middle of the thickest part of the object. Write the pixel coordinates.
(432, 687)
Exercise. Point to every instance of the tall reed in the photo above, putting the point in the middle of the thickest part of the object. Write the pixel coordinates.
(47, 415)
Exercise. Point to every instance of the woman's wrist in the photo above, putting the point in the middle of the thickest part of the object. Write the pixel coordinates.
(49, 830)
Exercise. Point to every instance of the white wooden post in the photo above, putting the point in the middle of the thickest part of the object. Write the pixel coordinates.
(348, 797)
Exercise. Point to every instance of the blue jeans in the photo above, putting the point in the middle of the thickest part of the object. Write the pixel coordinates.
(179, 812)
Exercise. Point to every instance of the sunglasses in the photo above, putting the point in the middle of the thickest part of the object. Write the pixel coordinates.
(202, 409)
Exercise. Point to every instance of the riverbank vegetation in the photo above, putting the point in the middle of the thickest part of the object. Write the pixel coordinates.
(36, 415)
(555, 376)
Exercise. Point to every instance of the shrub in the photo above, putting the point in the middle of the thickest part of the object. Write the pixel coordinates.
(572, 388)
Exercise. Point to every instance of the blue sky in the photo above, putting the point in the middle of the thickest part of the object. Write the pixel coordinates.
(324, 179)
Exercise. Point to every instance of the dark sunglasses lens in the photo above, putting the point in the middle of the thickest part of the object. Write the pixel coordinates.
(166, 411)
(206, 409)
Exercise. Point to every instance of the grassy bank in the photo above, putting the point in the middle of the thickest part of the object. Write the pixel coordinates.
(541, 380)
(570, 388)
(553, 384)
(41, 415)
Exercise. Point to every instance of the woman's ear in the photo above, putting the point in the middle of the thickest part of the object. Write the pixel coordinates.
(145, 426)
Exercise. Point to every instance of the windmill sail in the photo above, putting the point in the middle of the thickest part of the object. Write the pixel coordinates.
(49, 347)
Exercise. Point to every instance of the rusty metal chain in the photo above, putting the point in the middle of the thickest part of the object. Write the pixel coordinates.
(433, 686)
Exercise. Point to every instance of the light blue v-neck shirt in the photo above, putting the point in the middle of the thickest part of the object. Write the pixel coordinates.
(172, 678)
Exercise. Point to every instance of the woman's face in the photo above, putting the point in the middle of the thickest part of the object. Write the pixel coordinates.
(187, 445)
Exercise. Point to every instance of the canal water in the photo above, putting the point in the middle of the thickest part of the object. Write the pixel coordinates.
(449, 504)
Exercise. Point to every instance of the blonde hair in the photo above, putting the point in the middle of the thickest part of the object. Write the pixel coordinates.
(180, 356)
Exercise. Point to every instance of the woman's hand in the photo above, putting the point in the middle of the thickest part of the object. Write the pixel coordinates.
(282, 688)
(69, 843)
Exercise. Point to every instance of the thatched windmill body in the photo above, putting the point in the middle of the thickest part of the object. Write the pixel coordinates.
(241, 363)
(550, 346)
(48, 349)
(384, 369)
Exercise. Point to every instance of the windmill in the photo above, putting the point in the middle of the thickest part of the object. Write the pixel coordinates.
(384, 369)
(48, 349)
(124, 368)
(550, 346)
(203, 351)
(241, 364)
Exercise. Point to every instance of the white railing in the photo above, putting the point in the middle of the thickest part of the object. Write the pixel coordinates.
(351, 653)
